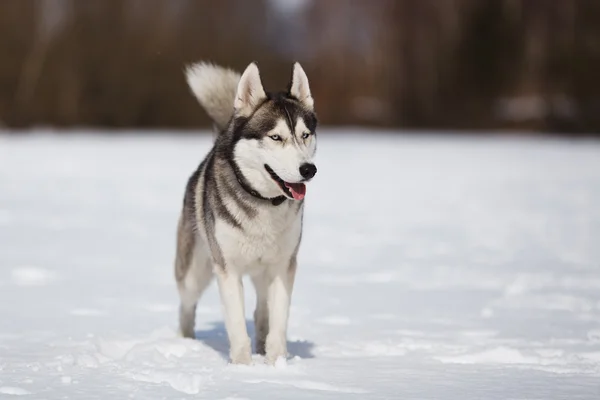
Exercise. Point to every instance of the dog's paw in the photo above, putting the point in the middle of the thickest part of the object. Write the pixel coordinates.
(241, 353)
(186, 333)
(260, 347)
(276, 348)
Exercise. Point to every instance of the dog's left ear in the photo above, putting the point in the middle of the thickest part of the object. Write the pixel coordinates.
(299, 87)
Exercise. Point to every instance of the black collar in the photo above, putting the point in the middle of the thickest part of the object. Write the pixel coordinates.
(274, 200)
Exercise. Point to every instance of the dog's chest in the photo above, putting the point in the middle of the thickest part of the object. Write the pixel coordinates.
(268, 239)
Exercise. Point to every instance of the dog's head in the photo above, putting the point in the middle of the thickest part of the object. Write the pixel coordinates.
(275, 134)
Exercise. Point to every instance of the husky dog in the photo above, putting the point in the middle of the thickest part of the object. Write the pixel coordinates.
(243, 206)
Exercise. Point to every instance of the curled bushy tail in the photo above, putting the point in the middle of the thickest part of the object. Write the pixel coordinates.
(215, 88)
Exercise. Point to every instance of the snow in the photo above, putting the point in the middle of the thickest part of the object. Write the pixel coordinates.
(432, 267)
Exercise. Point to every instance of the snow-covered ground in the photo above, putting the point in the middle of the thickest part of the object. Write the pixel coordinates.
(431, 268)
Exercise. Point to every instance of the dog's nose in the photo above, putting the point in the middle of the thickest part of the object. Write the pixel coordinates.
(308, 170)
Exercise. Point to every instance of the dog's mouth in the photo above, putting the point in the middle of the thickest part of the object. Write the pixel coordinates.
(295, 191)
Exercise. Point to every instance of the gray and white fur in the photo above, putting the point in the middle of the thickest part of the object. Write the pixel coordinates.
(243, 207)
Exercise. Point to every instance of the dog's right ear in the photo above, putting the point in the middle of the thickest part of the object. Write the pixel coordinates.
(250, 93)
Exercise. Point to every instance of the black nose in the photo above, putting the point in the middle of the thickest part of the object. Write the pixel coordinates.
(308, 170)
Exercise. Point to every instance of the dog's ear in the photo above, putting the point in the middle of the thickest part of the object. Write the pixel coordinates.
(250, 93)
(299, 87)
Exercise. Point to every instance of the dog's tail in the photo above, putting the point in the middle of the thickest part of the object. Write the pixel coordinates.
(215, 88)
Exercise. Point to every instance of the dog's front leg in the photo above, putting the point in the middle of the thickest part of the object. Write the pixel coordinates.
(232, 298)
(280, 292)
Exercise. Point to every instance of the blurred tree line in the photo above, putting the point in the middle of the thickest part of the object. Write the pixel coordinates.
(454, 64)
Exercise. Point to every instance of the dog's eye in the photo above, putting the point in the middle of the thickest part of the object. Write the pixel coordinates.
(275, 137)
(305, 135)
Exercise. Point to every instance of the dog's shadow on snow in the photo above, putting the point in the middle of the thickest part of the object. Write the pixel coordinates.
(216, 338)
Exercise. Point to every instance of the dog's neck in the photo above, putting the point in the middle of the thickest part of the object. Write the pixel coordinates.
(246, 187)
(278, 200)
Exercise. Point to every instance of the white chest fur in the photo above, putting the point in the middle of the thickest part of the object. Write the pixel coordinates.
(268, 240)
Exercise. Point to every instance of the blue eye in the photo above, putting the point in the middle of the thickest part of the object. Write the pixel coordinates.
(275, 137)
(305, 135)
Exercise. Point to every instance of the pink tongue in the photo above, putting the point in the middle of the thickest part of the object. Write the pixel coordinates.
(298, 190)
